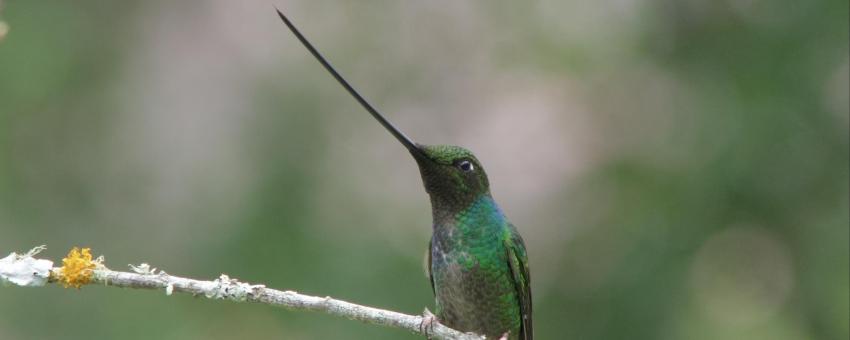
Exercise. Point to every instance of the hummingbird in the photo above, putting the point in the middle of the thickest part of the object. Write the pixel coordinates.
(476, 261)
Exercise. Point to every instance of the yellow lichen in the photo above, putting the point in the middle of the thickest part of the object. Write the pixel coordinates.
(77, 268)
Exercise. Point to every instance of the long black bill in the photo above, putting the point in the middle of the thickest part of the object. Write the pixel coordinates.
(407, 142)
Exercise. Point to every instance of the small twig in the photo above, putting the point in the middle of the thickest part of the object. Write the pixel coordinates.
(79, 269)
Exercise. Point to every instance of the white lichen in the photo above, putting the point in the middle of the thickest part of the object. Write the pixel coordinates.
(144, 269)
(24, 270)
(227, 288)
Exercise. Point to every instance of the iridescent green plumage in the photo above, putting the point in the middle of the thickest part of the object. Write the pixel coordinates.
(477, 261)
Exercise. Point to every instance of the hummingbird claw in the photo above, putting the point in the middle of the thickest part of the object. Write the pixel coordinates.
(426, 327)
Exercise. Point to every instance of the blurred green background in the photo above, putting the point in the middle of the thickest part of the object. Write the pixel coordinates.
(679, 169)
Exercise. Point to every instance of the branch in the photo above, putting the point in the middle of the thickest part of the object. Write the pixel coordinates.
(79, 269)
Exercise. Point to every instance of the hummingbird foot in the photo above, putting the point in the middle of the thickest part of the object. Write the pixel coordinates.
(426, 327)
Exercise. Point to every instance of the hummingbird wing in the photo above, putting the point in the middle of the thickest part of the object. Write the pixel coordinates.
(427, 264)
(518, 262)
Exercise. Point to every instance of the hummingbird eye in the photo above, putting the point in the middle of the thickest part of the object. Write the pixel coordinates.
(466, 166)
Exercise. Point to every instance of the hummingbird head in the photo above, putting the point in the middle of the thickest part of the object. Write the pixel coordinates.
(452, 176)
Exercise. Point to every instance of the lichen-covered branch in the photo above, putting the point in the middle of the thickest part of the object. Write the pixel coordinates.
(79, 269)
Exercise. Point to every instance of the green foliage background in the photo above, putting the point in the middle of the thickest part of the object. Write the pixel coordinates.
(679, 169)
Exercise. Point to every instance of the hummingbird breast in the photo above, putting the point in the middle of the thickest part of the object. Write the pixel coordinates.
(472, 279)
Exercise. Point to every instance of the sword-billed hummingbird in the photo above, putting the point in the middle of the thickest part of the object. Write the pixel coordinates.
(477, 262)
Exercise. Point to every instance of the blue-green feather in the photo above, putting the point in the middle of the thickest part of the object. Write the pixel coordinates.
(473, 264)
